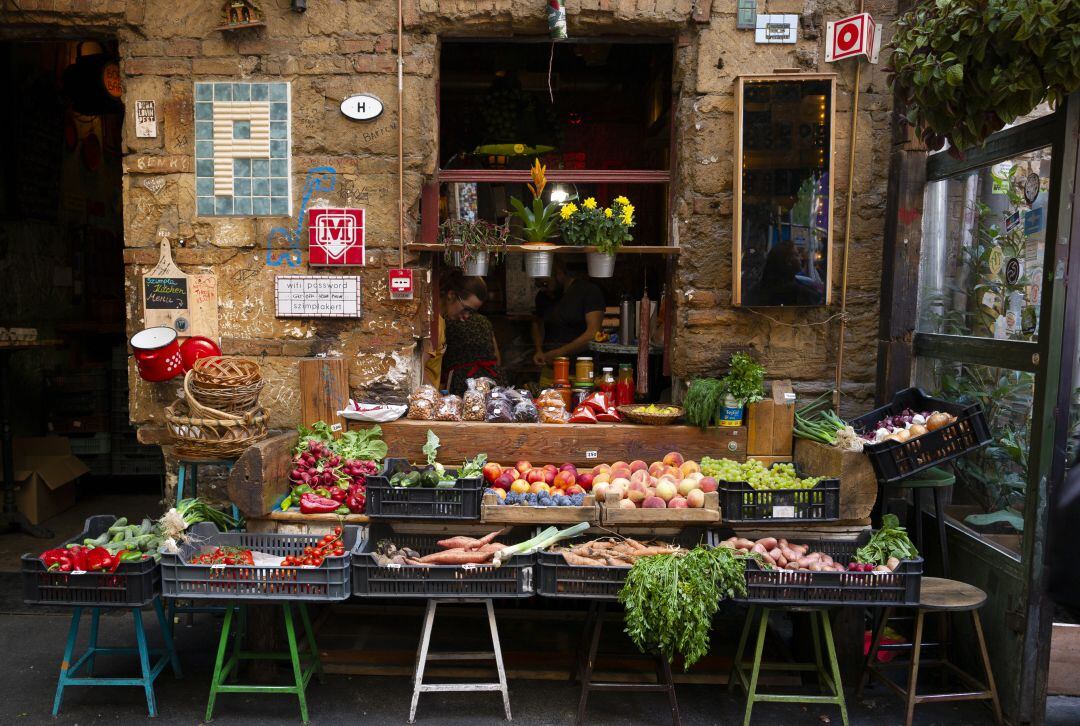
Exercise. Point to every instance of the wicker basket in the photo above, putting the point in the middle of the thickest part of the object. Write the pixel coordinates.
(201, 431)
(636, 414)
(225, 372)
(235, 399)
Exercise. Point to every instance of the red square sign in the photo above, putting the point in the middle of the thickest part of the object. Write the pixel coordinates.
(401, 284)
(851, 37)
(336, 237)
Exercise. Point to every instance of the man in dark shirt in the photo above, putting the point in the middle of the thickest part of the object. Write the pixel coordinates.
(569, 313)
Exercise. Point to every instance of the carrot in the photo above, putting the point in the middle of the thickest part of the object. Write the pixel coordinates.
(457, 557)
(487, 538)
(457, 543)
(634, 544)
(578, 560)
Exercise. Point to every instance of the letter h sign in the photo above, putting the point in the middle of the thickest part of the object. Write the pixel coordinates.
(336, 237)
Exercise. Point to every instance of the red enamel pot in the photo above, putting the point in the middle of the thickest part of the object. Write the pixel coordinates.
(157, 354)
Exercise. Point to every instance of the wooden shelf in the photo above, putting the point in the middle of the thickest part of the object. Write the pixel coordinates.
(579, 176)
(566, 249)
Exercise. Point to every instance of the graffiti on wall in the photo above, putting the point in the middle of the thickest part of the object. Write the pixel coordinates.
(318, 179)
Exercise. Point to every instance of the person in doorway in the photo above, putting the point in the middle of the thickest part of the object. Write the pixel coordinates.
(471, 352)
(569, 314)
(459, 298)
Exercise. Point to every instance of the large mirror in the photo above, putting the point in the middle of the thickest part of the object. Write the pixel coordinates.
(783, 189)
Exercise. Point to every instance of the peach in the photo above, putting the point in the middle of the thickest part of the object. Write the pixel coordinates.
(538, 487)
(686, 486)
(666, 491)
(689, 467)
(627, 504)
(641, 476)
(522, 466)
(620, 472)
(677, 503)
(568, 467)
(696, 499)
(549, 475)
(708, 484)
(636, 492)
(600, 490)
(601, 469)
(656, 468)
(673, 472)
(670, 478)
(550, 467)
(564, 479)
(535, 475)
(654, 503)
(618, 488)
(574, 489)
(673, 458)
(650, 491)
(520, 486)
(696, 476)
(601, 479)
(620, 464)
(638, 465)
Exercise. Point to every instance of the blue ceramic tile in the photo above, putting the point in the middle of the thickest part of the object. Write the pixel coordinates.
(223, 205)
(242, 205)
(204, 149)
(204, 187)
(241, 91)
(223, 92)
(204, 111)
(241, 129)
(279, 205)
(260, 187)
(204, 92)
(258, 91)
(279, 149)
(241, 167)
(279, 111)
(260, 206)
(204, 167)
(279, 129)
(242, 187)
(260, 167)
(278, 91)
(279, 167)
(204, 130)
(205, 206)
(279, 187)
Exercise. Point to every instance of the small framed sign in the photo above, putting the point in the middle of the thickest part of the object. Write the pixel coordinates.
(165, 293)
(336, 237)
(362, 107)
(316, 296)
(400, 282)
(145, 120)
(776, 29)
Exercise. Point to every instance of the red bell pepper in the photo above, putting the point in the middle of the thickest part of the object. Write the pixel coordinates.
(314, 504)
(338, 494)
(52, 559)
(100, 559)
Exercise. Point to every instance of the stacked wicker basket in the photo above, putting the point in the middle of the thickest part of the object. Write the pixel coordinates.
(219, 415)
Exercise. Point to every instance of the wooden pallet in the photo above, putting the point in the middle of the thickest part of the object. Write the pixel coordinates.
(612, 514)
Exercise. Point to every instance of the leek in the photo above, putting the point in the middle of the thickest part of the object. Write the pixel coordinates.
(542, 541)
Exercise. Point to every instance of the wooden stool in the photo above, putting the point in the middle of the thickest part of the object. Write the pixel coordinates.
(423, 656)
(594, 622)
(941, 597)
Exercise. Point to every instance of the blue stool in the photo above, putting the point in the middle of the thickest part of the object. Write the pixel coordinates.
(194, 464)
(68, 669)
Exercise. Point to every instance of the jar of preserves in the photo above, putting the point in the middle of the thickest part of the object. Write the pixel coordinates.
(606, 384)
(561, 370)
(583, 370)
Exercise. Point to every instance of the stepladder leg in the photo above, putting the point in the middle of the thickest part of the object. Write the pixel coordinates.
(583, 644)
(734, 679)
(294, 656)
(913, 672)
(590, 660)
(871, 657)
(990, 685)
(181, 476)
(830, 651)
(759, 647)
(166, 635)
(223, 643)
(95, 619)
(421, 656)
(144, 662)
(666, 677)
(497, 649)
(312, 646)
(65, 664)
(943, 540)
(815, 636)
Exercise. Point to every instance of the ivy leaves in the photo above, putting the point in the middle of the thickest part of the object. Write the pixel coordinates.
(963, 69)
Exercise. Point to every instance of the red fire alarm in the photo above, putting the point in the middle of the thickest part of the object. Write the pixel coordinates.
(851, 37)
(401, 284)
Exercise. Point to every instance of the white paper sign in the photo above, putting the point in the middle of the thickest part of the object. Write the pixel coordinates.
(783, 512)
(145, 119)
(776, 29)
(312, 296)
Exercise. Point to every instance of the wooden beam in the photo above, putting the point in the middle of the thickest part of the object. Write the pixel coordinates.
(260, 475)
(324, 389)
(579, 176)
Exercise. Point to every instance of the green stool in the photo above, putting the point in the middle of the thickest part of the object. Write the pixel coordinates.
(301, 676)
(831, 687)
(938, 480)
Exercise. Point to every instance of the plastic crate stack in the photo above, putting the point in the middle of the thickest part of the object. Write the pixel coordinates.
(78, 403)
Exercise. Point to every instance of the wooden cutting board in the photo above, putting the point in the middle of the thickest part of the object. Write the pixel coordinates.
(167, 294)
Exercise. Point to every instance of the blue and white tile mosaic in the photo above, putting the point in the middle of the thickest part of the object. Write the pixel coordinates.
(242, 143)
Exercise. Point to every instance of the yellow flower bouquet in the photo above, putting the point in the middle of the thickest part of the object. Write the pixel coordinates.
(590, 225)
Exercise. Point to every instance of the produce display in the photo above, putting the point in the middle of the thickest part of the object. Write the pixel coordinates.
(612, 552)
(756, 474)
(464, 550)
(330, 545)
(81, 558)
(329, 473)
(888, 545)
(435, 475)
(224, 556)
(672, 483)
(907, 425)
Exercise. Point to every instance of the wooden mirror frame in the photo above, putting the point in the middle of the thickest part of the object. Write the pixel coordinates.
(736, 237)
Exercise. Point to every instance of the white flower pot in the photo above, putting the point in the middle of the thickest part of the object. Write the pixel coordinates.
(538, 264)
(600, 264)
(477, 266)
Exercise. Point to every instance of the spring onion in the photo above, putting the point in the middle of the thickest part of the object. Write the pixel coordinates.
(545, 539)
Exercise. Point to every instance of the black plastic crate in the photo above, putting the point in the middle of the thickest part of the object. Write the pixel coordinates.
(134, 584)
(740, 502)
(328, 582)
(514, 579)
(791, 587)
(895, 460)
(597, 582)
(389, 502)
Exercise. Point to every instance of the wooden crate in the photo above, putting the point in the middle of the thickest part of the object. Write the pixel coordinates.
(770, 423)
(858, 483)
(493, 513)
(612, 514)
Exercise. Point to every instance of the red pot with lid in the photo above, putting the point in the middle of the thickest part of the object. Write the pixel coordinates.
(197, 347)
(157, 354)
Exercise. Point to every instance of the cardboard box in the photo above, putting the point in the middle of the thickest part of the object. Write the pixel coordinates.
(45, 474)
(770, 422)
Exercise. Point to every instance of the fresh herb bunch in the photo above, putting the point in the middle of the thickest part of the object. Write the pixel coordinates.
(702, 401)
(745, 380)
(670, 600)
(366, 444)
(889, 541)
(474, 237)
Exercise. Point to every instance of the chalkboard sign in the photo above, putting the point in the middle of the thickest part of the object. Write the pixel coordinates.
(166, 293)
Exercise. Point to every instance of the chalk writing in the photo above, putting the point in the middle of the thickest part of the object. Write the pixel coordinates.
(317, 179)
(165, 293)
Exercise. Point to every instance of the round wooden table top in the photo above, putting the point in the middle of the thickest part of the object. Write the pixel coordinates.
(939, 594)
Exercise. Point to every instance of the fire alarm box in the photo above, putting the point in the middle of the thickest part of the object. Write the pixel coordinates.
(851, 37)
(401, 285)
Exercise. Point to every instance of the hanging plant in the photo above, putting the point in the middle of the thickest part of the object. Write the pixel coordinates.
(963, 69)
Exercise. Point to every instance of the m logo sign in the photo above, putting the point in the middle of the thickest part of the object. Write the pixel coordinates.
(336, 237)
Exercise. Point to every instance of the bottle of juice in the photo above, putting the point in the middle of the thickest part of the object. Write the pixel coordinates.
(606, 384)
(624, 385)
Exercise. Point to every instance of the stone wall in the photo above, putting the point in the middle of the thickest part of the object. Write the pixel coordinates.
(340, 47)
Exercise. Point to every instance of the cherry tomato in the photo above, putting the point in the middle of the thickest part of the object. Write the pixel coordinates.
(337, 530)
(339, 552)
(317, 560)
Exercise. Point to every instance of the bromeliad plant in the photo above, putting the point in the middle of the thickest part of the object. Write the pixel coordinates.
(540, 222)
(589, 225)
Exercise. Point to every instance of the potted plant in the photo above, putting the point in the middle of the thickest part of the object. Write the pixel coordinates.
(539, 223)
(743, 384)
(605, 230)
(472, 244)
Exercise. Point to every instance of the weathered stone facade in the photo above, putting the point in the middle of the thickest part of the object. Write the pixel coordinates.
(340, 47)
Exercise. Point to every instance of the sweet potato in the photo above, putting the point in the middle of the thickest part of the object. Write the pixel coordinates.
(767, 542)
(457, 543)
(744, 544)
(457, 557)
(578, 560)
(490, 537)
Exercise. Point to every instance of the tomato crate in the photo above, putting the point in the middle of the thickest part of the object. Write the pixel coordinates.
(897, 460)
(327, 582)
(791, 587)
(740, 502)
(514, 579)
(597, 582)
(462, 501)
(134, 584)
